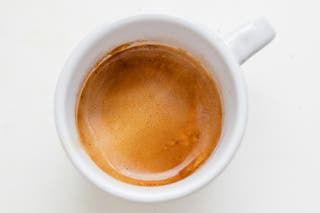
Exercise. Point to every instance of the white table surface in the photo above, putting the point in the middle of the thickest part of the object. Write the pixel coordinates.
(277, 168)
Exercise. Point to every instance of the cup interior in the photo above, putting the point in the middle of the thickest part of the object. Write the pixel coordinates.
(205, 46)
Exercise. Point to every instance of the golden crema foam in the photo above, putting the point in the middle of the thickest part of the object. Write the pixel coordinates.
(149, 114)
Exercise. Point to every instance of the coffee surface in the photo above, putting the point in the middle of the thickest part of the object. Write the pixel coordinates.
(149, 114)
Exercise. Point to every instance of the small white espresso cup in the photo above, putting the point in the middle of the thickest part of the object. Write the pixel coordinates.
(221, 56)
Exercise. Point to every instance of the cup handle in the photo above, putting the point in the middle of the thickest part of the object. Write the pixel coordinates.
(249, 39)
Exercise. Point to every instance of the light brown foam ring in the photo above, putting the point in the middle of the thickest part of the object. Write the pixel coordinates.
(149, 114)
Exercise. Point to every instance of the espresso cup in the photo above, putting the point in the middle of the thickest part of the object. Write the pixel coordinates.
(220, 55)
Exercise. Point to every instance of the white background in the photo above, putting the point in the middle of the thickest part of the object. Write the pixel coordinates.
(277, 168)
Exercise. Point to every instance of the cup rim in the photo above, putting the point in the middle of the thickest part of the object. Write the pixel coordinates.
(237, 76)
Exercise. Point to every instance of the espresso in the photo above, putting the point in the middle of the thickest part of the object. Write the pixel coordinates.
(149, 114)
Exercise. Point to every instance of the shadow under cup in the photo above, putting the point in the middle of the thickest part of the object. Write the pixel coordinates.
(213, 54)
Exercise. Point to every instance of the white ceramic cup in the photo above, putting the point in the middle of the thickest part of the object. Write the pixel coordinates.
(221, 56)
